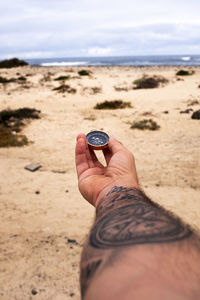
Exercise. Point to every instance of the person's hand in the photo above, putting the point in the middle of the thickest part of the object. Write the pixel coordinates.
(94, 179)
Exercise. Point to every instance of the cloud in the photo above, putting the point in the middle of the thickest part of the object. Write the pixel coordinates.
(99, 51)
(87, 27)
(146, 39)
(153, 38)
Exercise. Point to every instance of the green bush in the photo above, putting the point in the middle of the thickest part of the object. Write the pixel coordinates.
(84, 73)
(12, 63)
(21, 78)
(11, 123)
(5, 80)
(149, 82)
(145, 124)
(184, 73)
(62, 78)
(65, 88)
(115, 104)
(8, 139)
(7, 116)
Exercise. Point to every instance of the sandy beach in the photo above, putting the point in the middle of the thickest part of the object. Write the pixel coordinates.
(44, 219)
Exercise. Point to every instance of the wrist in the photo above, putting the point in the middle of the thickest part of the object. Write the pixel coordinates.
(115, 187)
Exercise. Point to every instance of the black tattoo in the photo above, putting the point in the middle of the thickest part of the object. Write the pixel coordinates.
(126, 217)
(139, 222)
(87, 273)
(136, 224)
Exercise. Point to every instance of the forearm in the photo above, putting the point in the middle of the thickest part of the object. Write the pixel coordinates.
(136, 249)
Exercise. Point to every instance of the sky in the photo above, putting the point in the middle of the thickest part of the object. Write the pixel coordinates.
(78, 28)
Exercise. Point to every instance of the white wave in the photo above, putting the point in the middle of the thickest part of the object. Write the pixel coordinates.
(186, 58)
(63, 63)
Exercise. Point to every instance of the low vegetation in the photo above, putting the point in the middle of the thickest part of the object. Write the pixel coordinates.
(115, 104)
(7, 116)
(96, 90)
(62, 78)
(11, 123)
(121, 88)
(186, 111)
(65, 88)
(184, 73)
(9, 138)
(149, 82)
(84, 73)
(92, 90)
(192, 102)
(5, 80)
(12, 63)
(90, 118)
(196, 115)
(146, 124)
(20, 79)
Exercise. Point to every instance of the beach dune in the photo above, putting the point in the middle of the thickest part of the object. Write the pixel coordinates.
(44, 219)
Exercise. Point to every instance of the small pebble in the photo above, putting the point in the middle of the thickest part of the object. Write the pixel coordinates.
(34, 292)
(37, 192)
(71, 241)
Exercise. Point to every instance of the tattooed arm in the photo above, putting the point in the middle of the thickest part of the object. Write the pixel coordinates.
(136, 249)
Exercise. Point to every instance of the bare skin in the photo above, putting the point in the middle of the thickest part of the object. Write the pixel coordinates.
(135, 249)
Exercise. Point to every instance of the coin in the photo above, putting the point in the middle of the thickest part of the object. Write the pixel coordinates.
(97, 140)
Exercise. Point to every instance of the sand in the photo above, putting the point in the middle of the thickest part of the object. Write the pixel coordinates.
(44, 219)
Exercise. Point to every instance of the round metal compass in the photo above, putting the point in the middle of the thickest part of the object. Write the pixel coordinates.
(97, 140)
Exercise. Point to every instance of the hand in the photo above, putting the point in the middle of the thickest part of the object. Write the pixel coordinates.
(94, 179)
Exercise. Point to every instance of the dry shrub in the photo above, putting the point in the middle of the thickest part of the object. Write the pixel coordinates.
(8, 138)
(20, 79)
(115, 104)
(96, 90)
(92, 90)
(12, 63)
(184, 73)
(11, 123)
(149, 82)
(65, 88)
(5, 80)
(90, 118)
(145, 124)
(84, 73)
(196, 115)
(192, 102)
(62, 78)
(121, 88)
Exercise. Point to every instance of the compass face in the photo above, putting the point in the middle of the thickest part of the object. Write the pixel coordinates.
(97, 140)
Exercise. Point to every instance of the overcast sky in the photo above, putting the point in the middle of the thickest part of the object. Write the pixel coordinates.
(64, 28)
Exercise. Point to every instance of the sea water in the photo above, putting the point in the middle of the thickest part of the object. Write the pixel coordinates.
(158, 60)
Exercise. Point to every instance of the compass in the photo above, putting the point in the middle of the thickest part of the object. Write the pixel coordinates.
(97, 140)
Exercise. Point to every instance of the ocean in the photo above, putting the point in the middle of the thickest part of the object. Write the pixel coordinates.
(159, 60)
